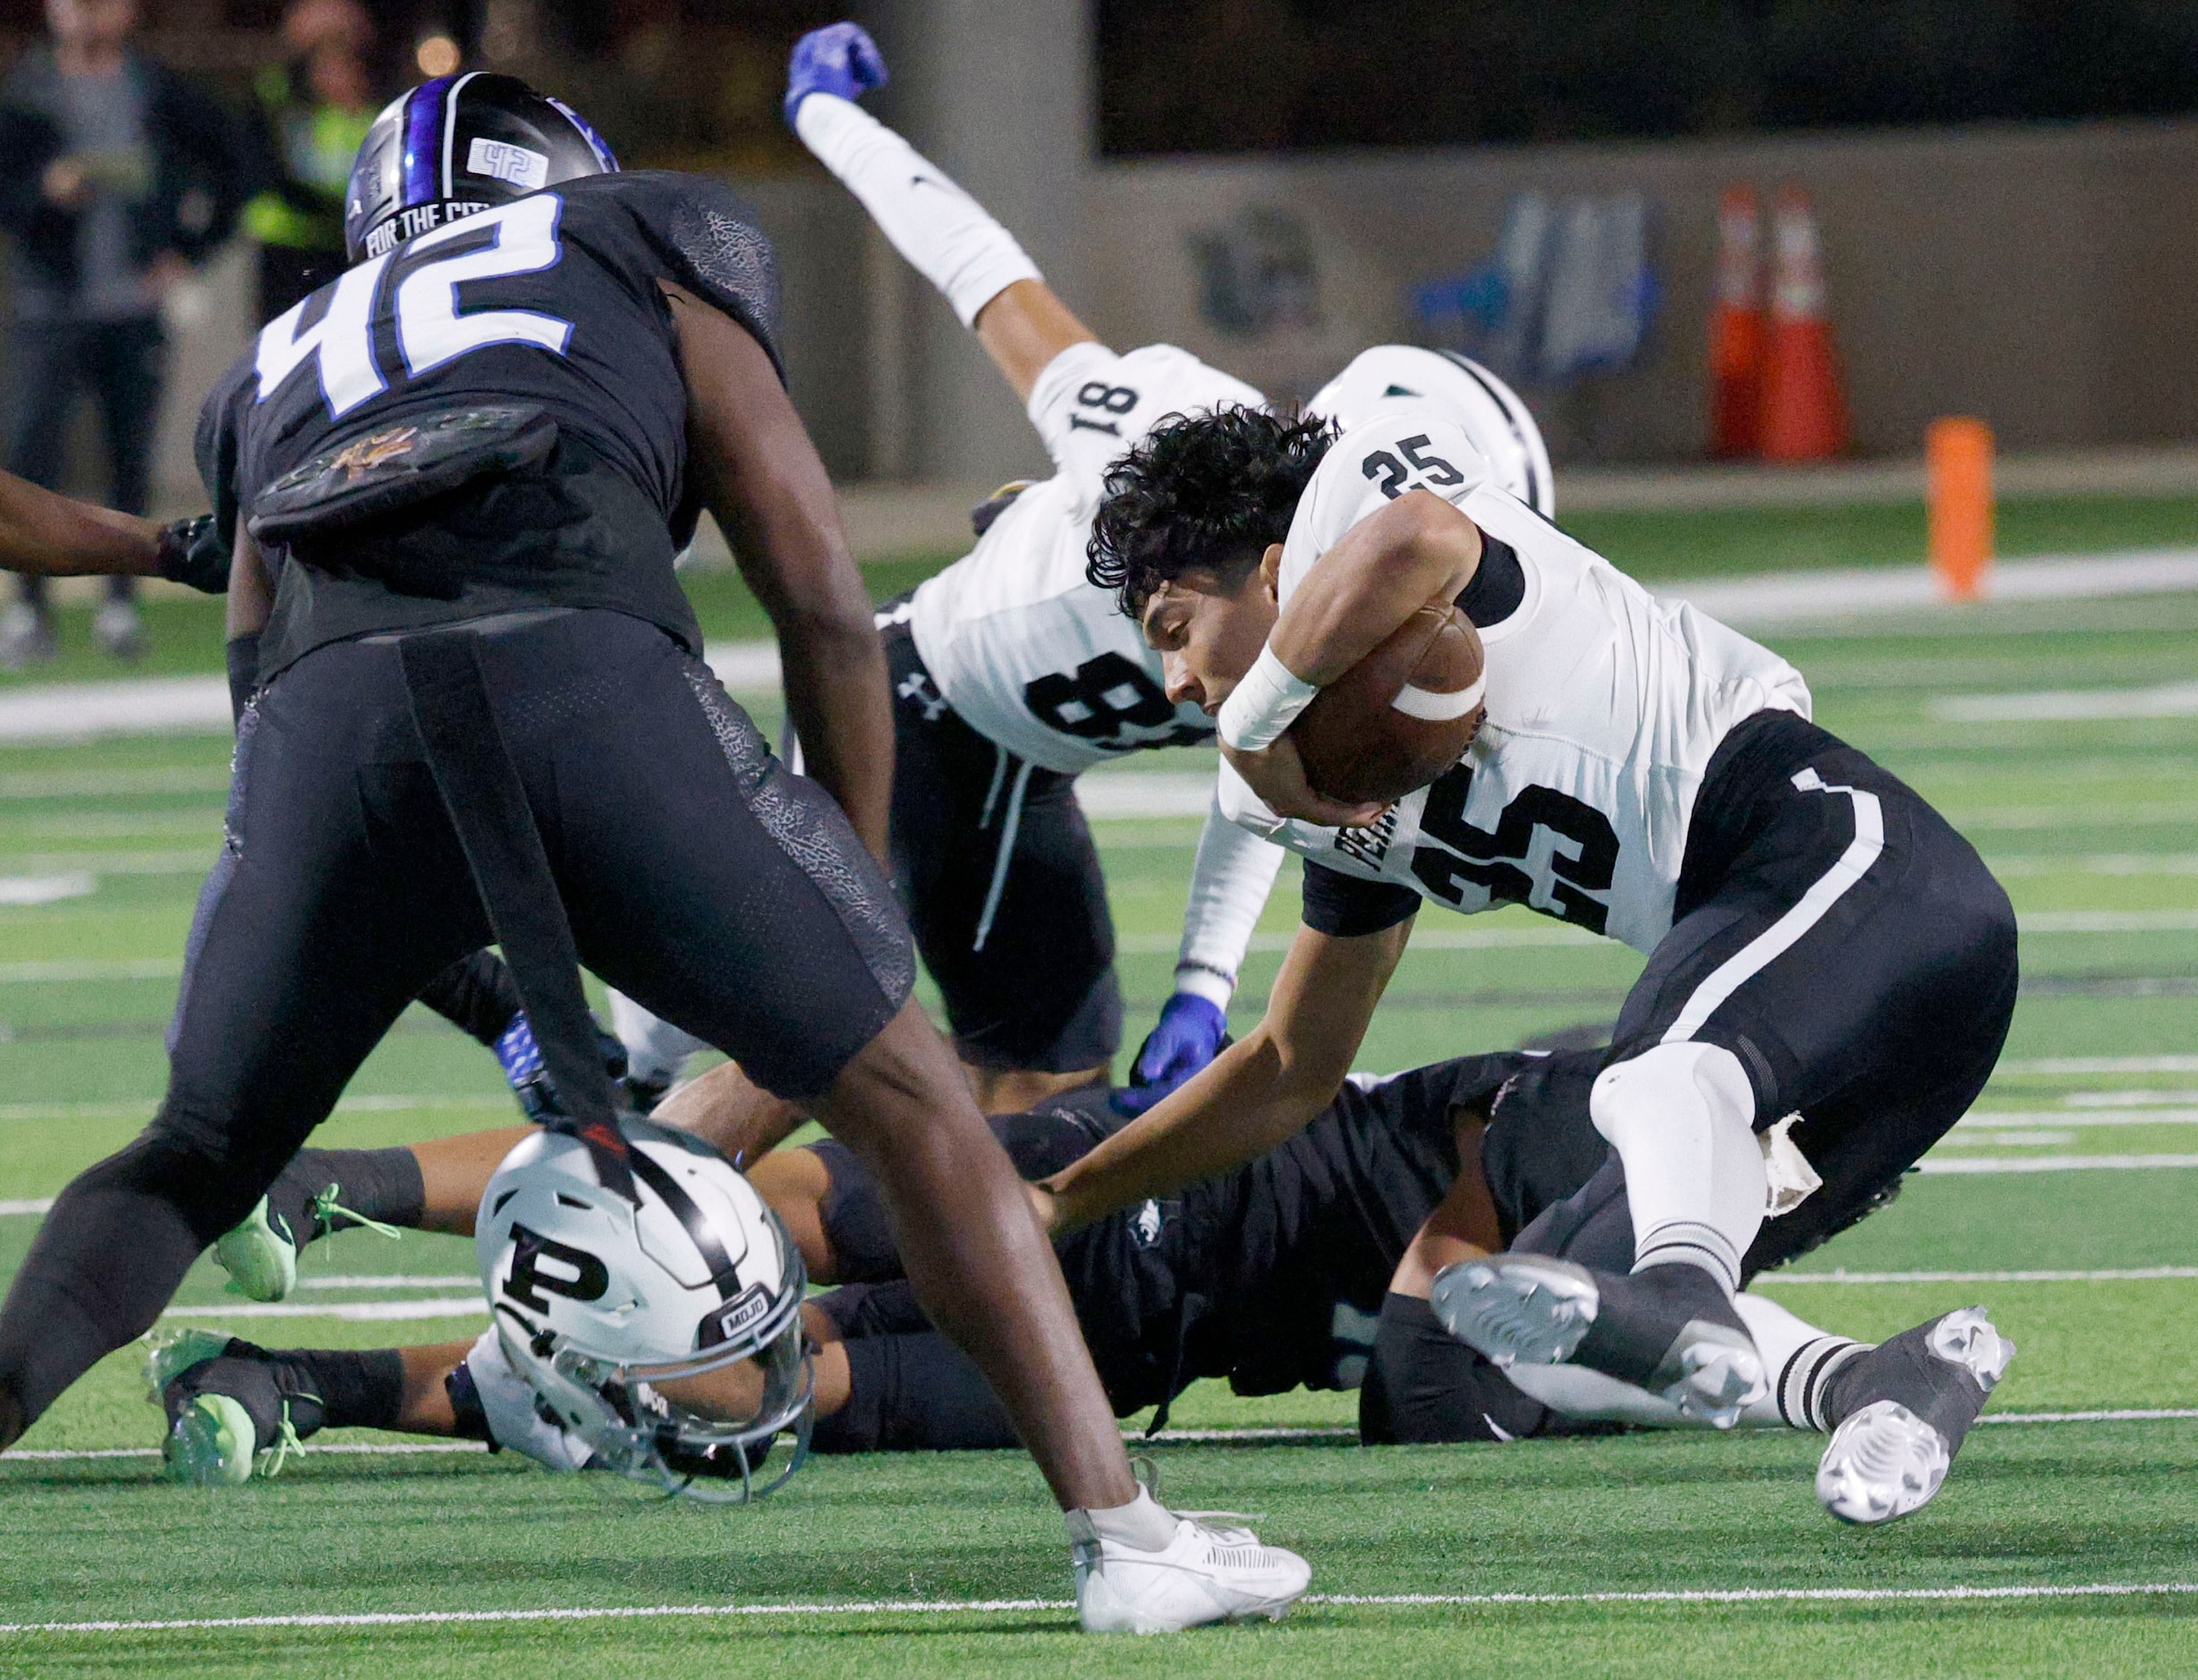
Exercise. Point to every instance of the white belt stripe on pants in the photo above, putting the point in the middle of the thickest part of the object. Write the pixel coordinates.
(1782, 935)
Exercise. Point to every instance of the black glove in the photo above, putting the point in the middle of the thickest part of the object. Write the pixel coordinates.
(191, 552)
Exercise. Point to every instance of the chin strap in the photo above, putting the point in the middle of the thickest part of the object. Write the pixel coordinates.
(487, 805)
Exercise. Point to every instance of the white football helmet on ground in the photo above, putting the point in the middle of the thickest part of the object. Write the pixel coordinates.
(665, 1333)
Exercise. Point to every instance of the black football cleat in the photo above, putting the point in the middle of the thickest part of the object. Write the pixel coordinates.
(1904, 1408)
(1669, 1329)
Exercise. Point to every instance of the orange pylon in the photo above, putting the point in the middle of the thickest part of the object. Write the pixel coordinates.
(1737, 329)
(1804, 408)
(1957, 455)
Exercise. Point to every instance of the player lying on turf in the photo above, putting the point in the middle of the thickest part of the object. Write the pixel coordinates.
(1307, 1268)
(1826, 954)
(1011, 674)
(455, 480)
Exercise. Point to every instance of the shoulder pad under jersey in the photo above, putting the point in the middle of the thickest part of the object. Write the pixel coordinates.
(709, 238)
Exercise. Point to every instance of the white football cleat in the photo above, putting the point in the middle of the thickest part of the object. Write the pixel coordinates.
(1204, 1575)
(1669, 1329)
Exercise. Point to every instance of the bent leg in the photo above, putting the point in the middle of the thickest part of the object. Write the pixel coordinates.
(340, 893)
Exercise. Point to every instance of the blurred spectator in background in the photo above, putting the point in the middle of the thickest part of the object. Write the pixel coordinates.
(310, 115)
(115, 177)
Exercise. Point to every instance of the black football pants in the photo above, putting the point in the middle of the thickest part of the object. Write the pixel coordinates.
(700, 876)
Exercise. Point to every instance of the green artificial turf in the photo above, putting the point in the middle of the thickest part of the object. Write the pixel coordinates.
(2078, 818)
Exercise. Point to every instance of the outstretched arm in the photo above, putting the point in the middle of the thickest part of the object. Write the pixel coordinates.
(60, 537)
(947, 236)
(759, 475)
(1256, 1093)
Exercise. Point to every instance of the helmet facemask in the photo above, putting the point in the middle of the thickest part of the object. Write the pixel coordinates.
(666, 1334)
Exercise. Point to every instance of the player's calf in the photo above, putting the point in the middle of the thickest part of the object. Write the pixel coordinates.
(320, 1192)
(1901, 1411)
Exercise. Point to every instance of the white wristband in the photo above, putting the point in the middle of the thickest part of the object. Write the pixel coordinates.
(1264, 704)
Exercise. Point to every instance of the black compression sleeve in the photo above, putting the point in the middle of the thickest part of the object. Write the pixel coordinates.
(911, 1393)
(242, 657)
(477, 994)
(1424, 1385)
(361, 1390)
(1343, 906)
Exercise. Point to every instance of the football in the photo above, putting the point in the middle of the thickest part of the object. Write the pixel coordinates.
(1400, 717)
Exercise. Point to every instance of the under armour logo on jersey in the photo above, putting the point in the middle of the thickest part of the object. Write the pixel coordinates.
(918, 686)
(1146, 1225)
(898, 613)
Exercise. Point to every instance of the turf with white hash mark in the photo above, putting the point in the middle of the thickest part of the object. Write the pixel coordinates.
(2065, 1543)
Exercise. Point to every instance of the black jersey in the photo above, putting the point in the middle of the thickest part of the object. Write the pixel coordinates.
(1271, 1275)
(550, 302)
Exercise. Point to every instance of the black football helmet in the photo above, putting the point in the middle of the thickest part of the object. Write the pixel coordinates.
(458, 145)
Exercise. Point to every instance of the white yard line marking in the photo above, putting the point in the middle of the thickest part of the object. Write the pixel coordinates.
(42, 973)
(111, 784)
(75, 1455)
(28, 890)
(389, 1280)
(196, 861)
(2130, 1098)
(358, 1312)
(2165, 699)
(1854, 591)
(2062, 1117)
(997, 1606)
(2084, 1066)
(2020, 865)
(2107, 921)
(2051, 1163)
(2008, 818)
(390, 1449)
(2128, 1274)
(32, 1204)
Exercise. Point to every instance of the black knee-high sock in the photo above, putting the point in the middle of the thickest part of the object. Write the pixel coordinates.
(357, 1389)
(382, 1185)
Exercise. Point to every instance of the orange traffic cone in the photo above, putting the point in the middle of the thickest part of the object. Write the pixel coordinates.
(1957, 454)
(1737, 330)
(1804, 410)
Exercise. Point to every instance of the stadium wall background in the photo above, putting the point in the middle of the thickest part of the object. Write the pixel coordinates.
(2036, 275)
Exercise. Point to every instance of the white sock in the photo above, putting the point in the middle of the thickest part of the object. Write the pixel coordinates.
(946, 236)
(1797, 1357)
(656, 1049)
(1682, 1117)
(1590, 1395)
(1144, 1524)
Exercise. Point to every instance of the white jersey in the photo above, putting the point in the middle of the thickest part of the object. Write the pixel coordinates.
(1026, 649)
(1604, 707)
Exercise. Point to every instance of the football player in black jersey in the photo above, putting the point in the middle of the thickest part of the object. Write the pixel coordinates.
(1308, 1267)
(454, 480)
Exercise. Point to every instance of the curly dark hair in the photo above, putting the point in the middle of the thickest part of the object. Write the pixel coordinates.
(1205, 494)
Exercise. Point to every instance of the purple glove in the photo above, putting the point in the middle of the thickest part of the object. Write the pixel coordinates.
(1191, 1032)
(839, 59)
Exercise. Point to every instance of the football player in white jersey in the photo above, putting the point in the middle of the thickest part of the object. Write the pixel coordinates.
(1828, 959)
(1011, 674)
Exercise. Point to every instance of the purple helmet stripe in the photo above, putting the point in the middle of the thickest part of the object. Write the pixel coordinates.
(597, 143)
(423, 143)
